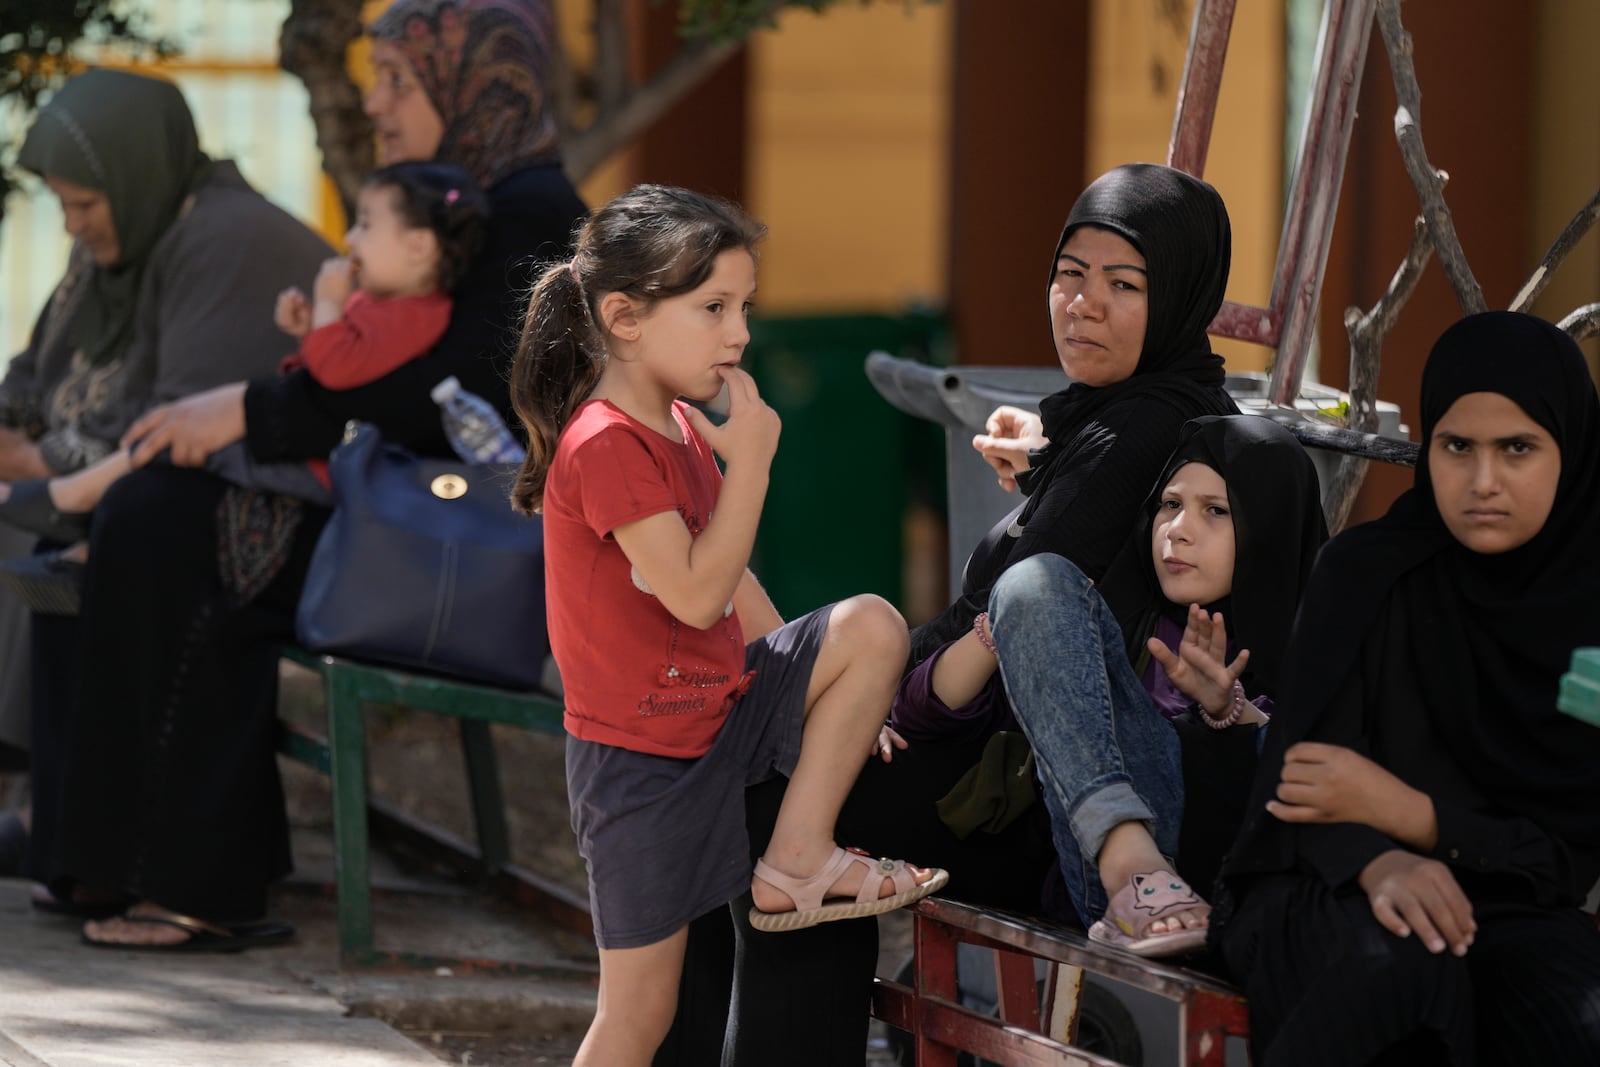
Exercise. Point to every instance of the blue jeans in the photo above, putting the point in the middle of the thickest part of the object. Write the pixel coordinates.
(1105, 755)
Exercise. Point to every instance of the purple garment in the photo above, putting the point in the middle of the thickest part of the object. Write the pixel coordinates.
(1169, 699)
(919, 715)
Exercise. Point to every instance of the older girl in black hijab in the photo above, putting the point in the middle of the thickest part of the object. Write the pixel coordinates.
(1426, 823)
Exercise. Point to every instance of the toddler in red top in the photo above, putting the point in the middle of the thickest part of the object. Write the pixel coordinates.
(683, 685)
(417, 227)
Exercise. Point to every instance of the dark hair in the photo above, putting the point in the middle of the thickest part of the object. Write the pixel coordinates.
(443, 198)
(650, 243)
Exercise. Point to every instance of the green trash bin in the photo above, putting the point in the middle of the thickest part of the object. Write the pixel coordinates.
(847, 465)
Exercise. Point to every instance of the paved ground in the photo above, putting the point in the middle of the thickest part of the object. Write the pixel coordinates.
(65, 1004)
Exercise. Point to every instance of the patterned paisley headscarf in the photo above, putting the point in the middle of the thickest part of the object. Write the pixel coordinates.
(485, 66)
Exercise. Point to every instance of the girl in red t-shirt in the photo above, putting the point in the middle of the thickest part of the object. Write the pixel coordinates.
(683, 685)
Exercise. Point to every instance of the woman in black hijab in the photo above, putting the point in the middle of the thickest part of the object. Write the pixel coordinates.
(1136, 277)
(1425, 822)
(1144, 235)
(1140, 691)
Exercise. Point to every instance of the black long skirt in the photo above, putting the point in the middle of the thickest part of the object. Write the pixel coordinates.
(156, 708)
(1329, 986)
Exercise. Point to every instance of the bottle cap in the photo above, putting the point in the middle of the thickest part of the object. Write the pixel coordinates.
(445, 390)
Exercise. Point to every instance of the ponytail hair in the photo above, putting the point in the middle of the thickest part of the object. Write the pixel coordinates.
(650, 243)
(555, 369)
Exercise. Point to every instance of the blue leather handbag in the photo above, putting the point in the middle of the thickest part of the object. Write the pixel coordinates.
(424, 565)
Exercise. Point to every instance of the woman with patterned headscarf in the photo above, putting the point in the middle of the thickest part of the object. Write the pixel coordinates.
(156, 303)
(172, 798)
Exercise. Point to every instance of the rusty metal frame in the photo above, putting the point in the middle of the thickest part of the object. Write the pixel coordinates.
(1209, 1012)
(1288, 322)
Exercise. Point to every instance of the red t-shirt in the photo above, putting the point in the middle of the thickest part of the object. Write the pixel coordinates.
(634, 676)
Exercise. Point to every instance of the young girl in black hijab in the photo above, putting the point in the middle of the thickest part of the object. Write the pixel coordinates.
(1425, 822)
(1144, 689)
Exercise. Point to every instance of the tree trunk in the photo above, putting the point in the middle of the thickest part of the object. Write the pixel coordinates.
(315, 40)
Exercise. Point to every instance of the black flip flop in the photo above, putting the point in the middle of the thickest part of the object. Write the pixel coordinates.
(29, 507)
(47, 583)
(204, 936)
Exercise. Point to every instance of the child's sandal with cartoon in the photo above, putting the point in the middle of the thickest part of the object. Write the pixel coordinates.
(1146, 899)
(808, 893)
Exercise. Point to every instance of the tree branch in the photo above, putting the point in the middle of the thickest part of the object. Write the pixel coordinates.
(610, 58)
(1366, 347)
(1428, 182)
(565, 94)
(694, 62)
(1558, 252)
(1583, 323)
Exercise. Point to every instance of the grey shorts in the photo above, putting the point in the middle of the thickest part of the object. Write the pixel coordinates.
(665, 838)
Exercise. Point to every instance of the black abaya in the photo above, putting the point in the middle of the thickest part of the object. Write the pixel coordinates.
(170, 786)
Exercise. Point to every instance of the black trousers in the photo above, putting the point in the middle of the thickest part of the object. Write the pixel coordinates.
(1329, 986)
(801, 998)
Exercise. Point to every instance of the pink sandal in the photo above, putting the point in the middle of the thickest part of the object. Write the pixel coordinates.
(1137, 905)
(808, 893)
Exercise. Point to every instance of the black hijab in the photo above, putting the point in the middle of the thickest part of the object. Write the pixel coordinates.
(1180, 225)
(1278, 527)
(1501, 628)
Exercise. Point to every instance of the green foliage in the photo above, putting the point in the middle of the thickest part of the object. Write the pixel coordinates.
(39, 49)
(39, 46)
(731, 20)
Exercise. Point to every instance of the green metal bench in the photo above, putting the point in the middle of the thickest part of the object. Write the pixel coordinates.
(349, 686)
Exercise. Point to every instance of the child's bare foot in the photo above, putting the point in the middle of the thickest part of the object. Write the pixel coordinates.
(70, 493)
(32, 505)
(65, 494)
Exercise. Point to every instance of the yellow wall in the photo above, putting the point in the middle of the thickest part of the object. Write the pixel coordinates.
(848, 135)
(848, 117)
(1566, 163)
(848, 130)
(1136, 62)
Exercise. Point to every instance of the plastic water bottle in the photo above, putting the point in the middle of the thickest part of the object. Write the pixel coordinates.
(475, 428)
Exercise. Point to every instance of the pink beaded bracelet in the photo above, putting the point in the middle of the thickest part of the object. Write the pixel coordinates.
(1234, 711)
(983, 634)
